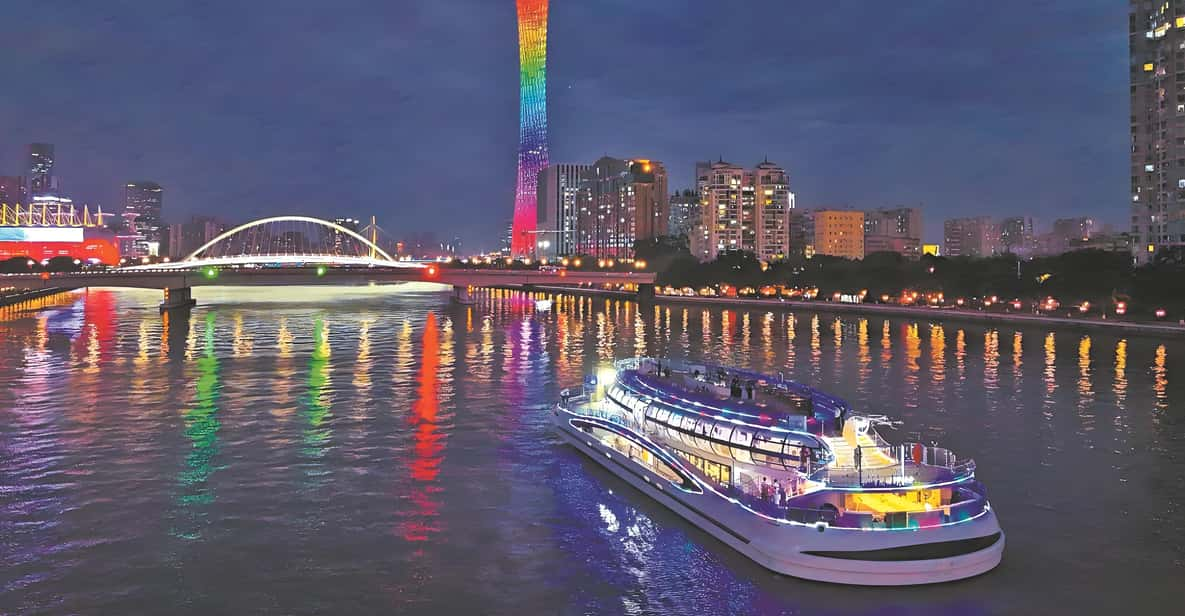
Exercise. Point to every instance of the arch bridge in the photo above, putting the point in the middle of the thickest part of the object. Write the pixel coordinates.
(301, 250)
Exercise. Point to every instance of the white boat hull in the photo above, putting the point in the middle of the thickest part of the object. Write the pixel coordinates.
(782, 547)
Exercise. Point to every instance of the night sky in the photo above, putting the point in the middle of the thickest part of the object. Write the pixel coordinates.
(409, 110)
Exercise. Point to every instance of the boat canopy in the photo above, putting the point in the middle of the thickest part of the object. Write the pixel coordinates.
(707, 430)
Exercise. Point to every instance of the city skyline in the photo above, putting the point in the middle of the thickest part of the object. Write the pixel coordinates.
(952, 125)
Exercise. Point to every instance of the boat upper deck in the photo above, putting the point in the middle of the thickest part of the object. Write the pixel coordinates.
(749, 396)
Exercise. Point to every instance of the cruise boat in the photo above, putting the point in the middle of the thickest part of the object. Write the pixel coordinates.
(785, 474)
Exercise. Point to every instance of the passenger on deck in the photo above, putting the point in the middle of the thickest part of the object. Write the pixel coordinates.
(779, 493)
(764, 488)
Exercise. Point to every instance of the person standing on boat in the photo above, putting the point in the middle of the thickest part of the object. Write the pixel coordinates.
(765, 488)
(859, 471)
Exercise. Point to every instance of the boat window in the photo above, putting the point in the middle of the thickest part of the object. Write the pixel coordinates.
(721, 449)
(662, 413)
(768, 443)
(637, 453)
(688, 423)
(741, 454)
(742, 437)
(703, 426)
(770, 460)
(722, 431)
(720, 474)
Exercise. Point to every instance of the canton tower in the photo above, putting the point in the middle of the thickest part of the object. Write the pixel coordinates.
(532, 126)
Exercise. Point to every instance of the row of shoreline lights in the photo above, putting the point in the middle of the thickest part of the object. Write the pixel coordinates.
(563, 262)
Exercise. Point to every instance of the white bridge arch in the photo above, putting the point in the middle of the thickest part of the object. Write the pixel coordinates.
(288, 240)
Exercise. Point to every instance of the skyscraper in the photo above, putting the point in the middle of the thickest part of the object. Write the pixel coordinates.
(145, 200)
(41, 180)
(532, 128)
(556, 216)
(619, 203)
(1156, 36)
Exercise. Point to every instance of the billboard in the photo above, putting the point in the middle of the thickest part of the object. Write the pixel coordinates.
(91, 244)
(41, 234)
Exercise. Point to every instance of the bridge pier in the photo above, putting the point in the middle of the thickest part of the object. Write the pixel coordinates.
(645, 292)
(177, 297)
(461, 295)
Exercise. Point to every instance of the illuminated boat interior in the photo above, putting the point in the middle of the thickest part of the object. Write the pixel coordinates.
(781, 449)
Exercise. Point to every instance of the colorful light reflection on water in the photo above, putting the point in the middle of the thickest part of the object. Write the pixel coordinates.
(383, 451)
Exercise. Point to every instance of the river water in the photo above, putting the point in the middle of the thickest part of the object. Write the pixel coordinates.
(378, 450)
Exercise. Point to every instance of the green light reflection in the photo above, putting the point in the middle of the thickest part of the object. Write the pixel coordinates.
(201, 428)
(316, 408)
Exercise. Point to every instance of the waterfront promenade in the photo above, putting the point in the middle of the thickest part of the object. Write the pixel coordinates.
(919, 312)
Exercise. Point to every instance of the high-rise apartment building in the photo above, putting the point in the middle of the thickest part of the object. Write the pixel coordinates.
(894, 230)
(620, 202)
(743, 209)
(342, 242)
(187, 237)
(970, 237)
(728, 204)
(41, 179)
(1156, 35)
(838, 233)
(802, 233)
(1017, 236)
(556, 216)
(685, 213)
(1068, 234)
(145, 200)
(771, 187)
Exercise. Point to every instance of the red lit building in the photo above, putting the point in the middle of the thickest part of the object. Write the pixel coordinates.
(46, 230)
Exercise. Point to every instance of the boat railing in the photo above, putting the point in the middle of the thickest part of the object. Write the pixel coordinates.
(749, 494)
(929, 455)
(862, 520)
(909, 466)
(821, 400)
(853, 477)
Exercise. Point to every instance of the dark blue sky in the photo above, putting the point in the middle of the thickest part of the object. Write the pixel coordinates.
(408, 110)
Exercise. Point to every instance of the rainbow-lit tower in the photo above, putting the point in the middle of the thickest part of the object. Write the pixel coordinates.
(532, 122)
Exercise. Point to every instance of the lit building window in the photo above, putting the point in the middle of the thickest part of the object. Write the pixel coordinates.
(1148, 67)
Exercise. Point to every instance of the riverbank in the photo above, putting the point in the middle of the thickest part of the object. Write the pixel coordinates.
(916, 312)
(19, 297)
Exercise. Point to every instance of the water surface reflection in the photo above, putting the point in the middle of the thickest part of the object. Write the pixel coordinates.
(380, 450)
